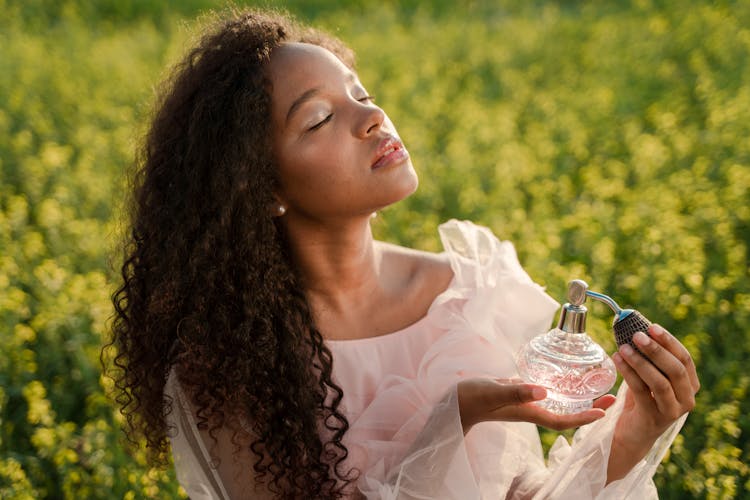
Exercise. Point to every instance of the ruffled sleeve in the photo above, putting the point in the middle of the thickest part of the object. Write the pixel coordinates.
(195, 471)
(502, 303)
(579, 470)
(406, 437)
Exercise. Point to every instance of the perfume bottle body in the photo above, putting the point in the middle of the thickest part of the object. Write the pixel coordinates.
(572, 367)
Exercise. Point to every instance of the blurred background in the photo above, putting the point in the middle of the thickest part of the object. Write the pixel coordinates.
(608, 140)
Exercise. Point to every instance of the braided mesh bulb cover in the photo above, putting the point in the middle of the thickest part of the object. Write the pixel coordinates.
(626, 328)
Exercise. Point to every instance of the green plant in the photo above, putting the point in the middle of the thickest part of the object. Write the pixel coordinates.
(608, 141)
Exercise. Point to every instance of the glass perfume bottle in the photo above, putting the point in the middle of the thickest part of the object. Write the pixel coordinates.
(573, 368)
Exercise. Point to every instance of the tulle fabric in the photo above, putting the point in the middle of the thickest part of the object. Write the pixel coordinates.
(405, 435)
(196, 471)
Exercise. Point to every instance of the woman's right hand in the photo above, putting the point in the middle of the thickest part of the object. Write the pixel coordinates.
(483, 399)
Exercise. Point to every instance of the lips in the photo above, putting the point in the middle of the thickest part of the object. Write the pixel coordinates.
(390, 150)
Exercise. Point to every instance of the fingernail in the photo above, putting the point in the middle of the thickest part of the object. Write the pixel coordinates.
(617, 358)
(626, 350)
(641, 339)
(539, 393)
(657, 330)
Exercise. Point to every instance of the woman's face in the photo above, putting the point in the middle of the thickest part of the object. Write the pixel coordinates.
(338, 154)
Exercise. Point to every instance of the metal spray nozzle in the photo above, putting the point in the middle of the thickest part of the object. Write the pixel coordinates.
(626, 322)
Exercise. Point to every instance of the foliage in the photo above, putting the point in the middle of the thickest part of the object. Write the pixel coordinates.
(608, 141)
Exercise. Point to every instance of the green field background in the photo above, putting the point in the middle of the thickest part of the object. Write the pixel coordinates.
(610, 141)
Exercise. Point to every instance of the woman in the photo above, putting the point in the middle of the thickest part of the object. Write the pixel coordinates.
(286, 353)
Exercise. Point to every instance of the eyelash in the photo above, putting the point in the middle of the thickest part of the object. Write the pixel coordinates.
(320, 123)
(369, 98)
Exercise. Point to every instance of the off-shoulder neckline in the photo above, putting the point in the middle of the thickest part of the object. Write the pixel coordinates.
(397, 333)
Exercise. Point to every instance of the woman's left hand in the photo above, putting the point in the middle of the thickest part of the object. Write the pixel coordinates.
(656, 398)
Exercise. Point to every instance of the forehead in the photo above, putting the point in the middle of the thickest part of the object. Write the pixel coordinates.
(299, 52)
(297, 67)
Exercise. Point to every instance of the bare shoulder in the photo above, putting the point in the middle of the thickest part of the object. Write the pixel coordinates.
(428, 272)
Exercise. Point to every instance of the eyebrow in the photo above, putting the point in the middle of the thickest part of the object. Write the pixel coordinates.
(309, 94)
(306, 96)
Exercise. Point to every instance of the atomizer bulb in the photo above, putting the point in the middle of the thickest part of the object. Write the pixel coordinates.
(625, 323)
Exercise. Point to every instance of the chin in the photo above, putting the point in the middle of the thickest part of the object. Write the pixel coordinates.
(397, 188)
(414, 181)
(406, 189)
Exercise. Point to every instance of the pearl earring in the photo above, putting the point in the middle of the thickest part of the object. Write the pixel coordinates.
(281, 210)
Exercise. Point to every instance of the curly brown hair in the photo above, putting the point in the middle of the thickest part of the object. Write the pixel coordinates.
(209, 288)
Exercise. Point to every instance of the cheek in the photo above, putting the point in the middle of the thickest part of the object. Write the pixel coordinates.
(315, 170)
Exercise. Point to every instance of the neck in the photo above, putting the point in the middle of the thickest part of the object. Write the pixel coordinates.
(339, 262)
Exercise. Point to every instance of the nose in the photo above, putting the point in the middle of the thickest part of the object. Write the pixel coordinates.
(370, 121)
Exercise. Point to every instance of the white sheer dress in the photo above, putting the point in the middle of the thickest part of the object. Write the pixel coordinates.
(400, 399)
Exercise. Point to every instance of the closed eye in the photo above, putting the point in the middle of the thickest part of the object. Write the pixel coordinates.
(320, 123)
(367, 98)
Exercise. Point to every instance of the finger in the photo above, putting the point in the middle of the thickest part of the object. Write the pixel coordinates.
(658, 384)
(638, 388)
(486, 395)
(535, 414)
(671, 344)
(605, 401)
(516, 394)
(562, 422)
(680, 386)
